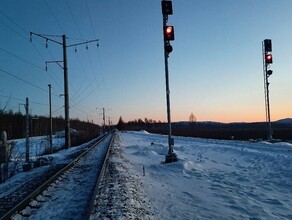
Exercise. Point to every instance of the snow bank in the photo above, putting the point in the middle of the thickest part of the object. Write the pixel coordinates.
(213, 179)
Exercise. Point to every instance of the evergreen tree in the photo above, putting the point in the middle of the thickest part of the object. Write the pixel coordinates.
(121, 124)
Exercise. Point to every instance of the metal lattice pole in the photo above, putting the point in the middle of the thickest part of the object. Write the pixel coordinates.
(267, 98)
(166, 10)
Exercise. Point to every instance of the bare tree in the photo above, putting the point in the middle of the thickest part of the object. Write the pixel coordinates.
(13, 159)
(192, 118)
(3, 109)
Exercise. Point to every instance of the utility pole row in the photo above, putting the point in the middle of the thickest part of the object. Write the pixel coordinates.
(64, 45)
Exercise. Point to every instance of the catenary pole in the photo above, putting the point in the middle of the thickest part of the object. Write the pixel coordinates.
(27, 130)
(103, 119)
(51, 121)
(65, 67)
(66, 94)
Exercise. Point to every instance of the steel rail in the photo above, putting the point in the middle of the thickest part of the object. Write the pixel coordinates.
(88, 210)
(25, 202)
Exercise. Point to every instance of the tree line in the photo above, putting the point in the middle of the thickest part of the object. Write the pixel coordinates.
(192, 128)
(14, 125)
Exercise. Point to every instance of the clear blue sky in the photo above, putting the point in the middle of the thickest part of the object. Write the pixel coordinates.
(215, 68)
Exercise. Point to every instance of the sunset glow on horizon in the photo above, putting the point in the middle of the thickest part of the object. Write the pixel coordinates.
(215, 68)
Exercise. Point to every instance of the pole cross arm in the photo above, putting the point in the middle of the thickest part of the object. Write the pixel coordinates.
(85, 42)
(57, 62)
(46, 37)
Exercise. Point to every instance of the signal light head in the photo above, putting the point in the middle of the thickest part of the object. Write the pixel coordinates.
(268, 45)
(168, 29)
(166, 7)
(269, 58)
(168, 48)
(269, 73)
(168, 33)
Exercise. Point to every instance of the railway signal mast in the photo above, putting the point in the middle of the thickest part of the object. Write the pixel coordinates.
(267, 60)
(168, 33)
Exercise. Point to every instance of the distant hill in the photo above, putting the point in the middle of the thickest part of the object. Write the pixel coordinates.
(281, 121)
(198, 122)
(282, 129)
(284, 121)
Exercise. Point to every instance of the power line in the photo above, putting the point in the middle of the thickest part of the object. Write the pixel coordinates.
(10, 28)
(84, 98)
(18, 57)
(20, 27)
(53, 14)
(29, 83)
(77, 27)
(21, 100)
(89, 58)
(74, 19)
(74, 38)
(18, 99)
(25, 38)
(56, 81)
(90, 18)
(57, 110)
(16, 77)
(16, 24)
(65, 68)
(83, 69)
(76, 91)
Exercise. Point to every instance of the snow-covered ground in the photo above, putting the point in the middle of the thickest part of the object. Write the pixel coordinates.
(213, 179)
(69, 195)
(37, 146)
(20, 177)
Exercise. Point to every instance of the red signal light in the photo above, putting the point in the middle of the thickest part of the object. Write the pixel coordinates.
(168, 29)
(269, 58)
(168, 33)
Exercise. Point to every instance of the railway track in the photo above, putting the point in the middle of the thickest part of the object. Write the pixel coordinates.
(66, 194)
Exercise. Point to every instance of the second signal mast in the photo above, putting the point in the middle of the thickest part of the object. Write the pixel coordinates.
(267, 60)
